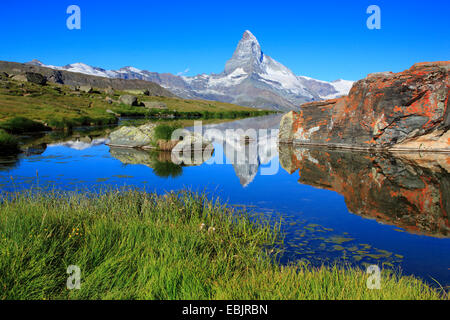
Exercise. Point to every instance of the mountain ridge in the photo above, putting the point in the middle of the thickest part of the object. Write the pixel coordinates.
(250, 78)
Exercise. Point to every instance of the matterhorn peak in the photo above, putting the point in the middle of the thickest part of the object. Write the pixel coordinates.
(248, 55)
(248, 36)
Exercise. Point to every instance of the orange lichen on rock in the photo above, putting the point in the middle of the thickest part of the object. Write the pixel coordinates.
(381, 111)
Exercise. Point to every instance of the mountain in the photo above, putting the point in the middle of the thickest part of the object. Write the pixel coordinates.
(62, 76)
(251, 78)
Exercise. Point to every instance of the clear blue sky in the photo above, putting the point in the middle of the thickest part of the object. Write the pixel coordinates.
(322, 39)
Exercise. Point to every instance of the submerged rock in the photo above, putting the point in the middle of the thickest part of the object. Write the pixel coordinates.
(406, 110)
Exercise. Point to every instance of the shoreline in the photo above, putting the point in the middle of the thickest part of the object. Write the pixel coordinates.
(359, 148)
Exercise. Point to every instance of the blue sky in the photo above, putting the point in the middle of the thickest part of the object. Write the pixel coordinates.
(321, 39)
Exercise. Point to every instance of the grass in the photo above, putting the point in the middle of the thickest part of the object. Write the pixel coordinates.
(7, 142)
(165, 131)
(55, 105)
(59, 107)
(18, 125)
(131, 111)
(134, 245)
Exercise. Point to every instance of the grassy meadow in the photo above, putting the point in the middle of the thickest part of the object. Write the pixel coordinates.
(135, 245)
(60, 107)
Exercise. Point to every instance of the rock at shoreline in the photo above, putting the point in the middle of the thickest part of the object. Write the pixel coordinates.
(133, 137)
(143, 137)
(401, 111)
(129, 100)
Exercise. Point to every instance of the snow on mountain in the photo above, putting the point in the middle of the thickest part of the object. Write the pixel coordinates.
(250, 78)
(342, 87)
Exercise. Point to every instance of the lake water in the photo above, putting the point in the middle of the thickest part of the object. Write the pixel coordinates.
(346, 207)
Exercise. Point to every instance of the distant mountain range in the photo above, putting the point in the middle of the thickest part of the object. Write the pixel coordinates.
(250, 78)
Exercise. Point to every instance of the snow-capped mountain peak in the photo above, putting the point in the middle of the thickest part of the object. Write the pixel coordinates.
(248, 55)
(250, 78)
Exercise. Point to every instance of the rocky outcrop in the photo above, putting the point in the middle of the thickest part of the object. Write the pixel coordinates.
(36, 78)
(410, 191)
(398, 111)
(79, 79)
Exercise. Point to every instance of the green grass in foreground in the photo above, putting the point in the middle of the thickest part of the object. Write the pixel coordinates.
(132, 245)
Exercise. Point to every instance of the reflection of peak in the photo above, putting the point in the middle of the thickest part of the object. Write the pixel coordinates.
(246, 173)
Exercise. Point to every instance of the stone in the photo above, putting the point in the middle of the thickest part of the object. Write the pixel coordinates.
(142, 137)
(381, 111)
(129, 100)
(193, 141)
(36, 78)
(154, 105)
(56, 77)
(287, 128)
(112, 112)
(20, 77)
(86, 89)
(133, 137)
(109, 100)
(110, 91)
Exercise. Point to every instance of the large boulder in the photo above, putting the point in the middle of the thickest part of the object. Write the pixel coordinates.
(143, 137)
(133, 137)
(86, 89)
(36, 78)
(383, 111)
(129, 100)
(56, 77)
(19, 77)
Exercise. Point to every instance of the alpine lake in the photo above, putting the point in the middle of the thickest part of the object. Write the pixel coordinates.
(344, 207)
